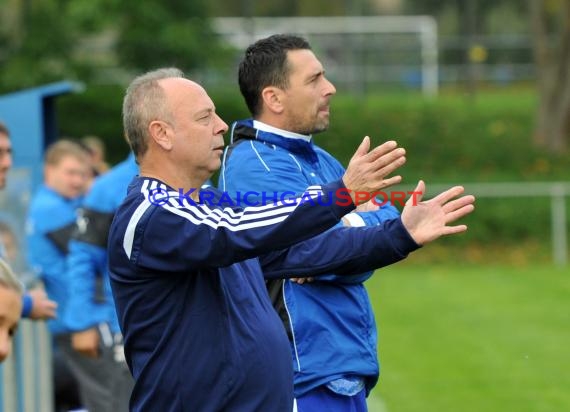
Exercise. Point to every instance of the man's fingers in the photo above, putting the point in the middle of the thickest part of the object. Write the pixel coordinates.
(449, 194)
(458, 203)
(452, 230)
(459, 213)
(397, 155)
(381, 150)
(363, 148)
(386, 165)
(417, 194)
(394, 180)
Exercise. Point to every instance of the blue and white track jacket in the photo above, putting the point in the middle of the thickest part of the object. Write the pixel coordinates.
(328, 341)
(200, 331)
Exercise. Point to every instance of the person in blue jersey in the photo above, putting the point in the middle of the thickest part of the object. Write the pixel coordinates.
(49, 225)
(334, 348)
(187, 275)
(98, 362)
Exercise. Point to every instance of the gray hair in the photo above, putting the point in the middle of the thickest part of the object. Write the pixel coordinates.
(144, 102)
(8, 279)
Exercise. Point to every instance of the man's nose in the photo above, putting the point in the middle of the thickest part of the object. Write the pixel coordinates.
(330, 90)
(223, 127)
(6, 160)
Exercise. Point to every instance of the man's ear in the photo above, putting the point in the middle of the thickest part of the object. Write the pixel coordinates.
(161, 133)
(273, 99)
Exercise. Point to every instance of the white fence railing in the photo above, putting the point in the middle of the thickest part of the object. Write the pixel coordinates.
(556, 191)
(26, 383)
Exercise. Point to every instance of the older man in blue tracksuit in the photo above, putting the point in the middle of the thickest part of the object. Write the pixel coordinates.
(98, 360)
(187, 279)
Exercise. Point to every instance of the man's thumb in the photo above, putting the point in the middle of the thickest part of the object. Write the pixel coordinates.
(363, 148)
(417, 194)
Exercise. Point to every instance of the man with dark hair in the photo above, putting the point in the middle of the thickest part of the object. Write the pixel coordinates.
(333, 346)
(200, 332)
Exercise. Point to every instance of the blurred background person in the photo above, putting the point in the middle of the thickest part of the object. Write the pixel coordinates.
(96, 148)
(8, 244)
(35, 303)
(10, 307)
(98, 361)
(5, 154)
(49, 226)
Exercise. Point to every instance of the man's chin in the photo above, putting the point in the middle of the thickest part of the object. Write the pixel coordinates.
(321, 128)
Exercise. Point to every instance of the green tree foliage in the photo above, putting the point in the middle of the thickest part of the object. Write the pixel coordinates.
(280, 8)
(36, 44)
(551, 41)
(50, 40)
(156, 33)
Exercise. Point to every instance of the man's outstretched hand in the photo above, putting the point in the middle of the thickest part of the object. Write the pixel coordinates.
(428, 220)
(368, 169)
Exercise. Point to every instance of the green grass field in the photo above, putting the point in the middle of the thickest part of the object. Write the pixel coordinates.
(472, 338)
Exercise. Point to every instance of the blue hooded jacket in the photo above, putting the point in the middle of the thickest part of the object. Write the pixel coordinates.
(49, 226)
(330, 320)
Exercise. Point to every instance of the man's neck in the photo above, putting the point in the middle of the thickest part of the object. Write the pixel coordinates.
(266, 127)
(177, 181)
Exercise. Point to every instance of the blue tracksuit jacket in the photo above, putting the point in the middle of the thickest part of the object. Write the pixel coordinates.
(327, 341)
(200, 332)
(49, 226)
(90, 300)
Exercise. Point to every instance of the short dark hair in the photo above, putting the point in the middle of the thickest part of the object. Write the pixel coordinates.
(265, 64)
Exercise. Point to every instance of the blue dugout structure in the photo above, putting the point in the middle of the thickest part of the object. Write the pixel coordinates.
(30, 116)
(26, 376)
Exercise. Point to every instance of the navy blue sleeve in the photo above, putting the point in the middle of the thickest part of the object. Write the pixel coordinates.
(176, 237)
(344, 251)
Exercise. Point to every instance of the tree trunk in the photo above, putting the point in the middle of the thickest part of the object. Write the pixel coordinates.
(551, 43)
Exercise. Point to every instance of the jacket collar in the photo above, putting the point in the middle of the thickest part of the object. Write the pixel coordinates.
(293, 142)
